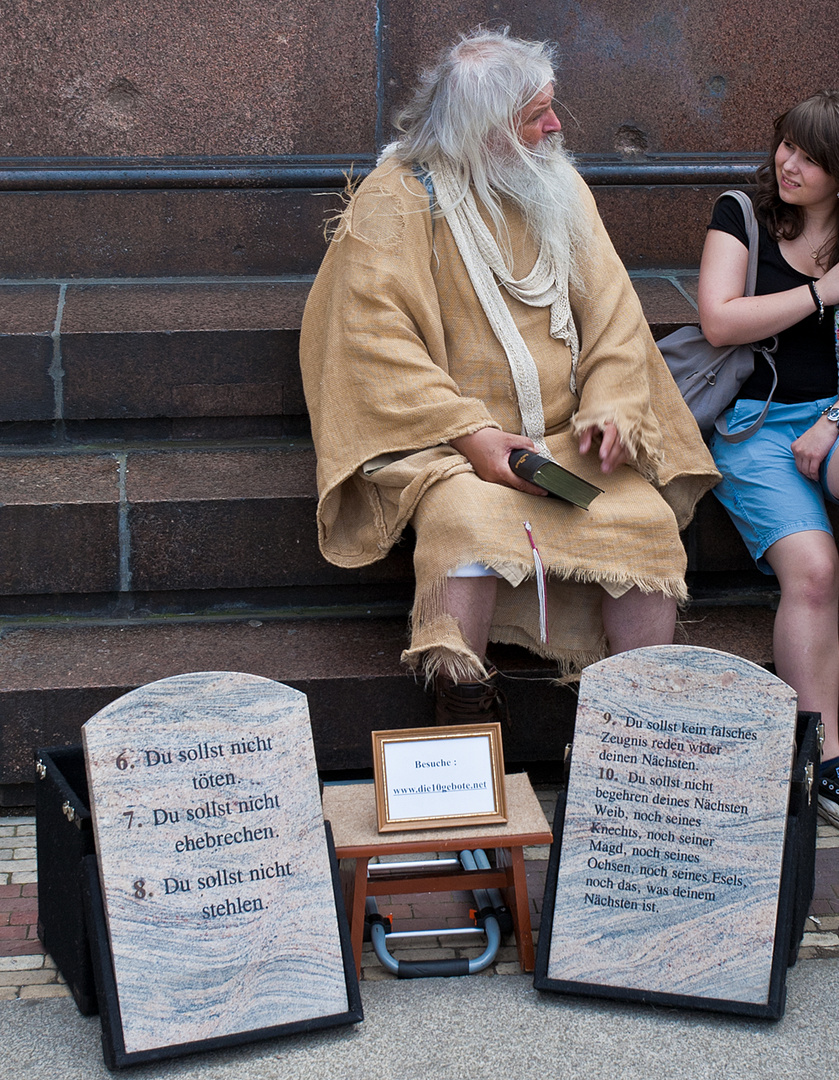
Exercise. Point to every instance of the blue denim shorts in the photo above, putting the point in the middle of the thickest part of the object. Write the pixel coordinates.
(765, 495)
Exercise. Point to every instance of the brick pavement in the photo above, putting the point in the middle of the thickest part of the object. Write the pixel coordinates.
(821, 936)
(26, 972)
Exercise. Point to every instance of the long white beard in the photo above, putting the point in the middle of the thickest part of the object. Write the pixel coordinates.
(546, 188)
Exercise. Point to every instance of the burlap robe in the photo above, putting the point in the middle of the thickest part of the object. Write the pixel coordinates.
(398, 356)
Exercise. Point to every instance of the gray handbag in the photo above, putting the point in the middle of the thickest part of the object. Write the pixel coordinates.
(710, 377)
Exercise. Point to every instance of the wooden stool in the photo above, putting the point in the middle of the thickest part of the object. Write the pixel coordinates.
(351, 810)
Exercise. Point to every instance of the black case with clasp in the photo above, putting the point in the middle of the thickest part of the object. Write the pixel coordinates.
(64, 836)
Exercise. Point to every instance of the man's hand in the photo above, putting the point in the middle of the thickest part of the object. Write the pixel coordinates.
(612, 452)
(813, 446)
(488, 451)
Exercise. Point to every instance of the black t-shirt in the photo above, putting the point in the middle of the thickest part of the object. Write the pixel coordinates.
(806, 356)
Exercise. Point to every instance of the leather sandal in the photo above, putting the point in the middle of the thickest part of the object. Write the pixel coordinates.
(470, 702)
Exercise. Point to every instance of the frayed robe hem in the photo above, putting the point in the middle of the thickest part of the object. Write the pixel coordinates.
(438, 644)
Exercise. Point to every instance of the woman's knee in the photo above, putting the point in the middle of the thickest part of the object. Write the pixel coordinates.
(810, 573)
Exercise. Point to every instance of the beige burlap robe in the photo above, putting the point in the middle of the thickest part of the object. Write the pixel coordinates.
(398, 356)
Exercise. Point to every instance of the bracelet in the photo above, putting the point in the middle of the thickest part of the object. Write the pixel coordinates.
(817, 299)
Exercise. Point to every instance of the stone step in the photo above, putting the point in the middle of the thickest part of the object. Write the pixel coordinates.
(137, 349)
(81, 353)
(146, 487)
(167, 518)
(262, 231)
(175, 518)
(157, 508)
(163, 233)
(53, 678)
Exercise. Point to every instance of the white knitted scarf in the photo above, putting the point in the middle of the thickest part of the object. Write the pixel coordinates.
(545, 285)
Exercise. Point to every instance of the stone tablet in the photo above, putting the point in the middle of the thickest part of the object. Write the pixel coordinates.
(213, 861)
(672, 845)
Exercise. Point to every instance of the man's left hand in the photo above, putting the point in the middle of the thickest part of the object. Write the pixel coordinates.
(612, 452)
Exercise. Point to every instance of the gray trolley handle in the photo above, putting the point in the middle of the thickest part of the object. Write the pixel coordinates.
(421, 969)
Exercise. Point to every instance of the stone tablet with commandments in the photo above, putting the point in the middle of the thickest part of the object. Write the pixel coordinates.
(219, 898)
(671, 851)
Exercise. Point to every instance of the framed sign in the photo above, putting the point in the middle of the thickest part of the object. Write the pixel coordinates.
(428, 778)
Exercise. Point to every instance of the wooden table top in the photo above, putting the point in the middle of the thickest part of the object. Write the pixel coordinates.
(351, 810)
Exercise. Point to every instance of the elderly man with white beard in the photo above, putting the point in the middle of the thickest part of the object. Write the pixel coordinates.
(471, 304)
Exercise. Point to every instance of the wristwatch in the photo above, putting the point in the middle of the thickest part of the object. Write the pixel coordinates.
(832, 413)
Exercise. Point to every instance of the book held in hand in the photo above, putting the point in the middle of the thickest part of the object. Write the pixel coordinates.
(553, 478)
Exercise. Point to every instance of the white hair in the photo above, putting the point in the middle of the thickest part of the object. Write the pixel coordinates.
(465, 113)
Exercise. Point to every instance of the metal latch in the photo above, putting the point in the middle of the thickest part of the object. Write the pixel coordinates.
(68, 811)
(40, 769)
(820, 731)
(809, 780)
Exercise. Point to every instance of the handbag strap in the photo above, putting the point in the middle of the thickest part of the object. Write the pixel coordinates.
(750, 222)
(740, 436)
(751, 283)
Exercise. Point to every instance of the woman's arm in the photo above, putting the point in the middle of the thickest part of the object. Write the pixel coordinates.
(728, 317)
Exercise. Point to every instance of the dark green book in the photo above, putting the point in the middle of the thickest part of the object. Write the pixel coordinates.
(553, 478)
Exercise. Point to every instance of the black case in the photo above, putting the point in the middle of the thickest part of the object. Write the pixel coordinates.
(64, 836)
(802, 825)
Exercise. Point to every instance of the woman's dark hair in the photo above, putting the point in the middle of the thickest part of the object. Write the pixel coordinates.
(813, 125)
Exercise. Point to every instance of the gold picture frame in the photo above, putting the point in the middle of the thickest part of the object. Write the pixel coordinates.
(439, 777)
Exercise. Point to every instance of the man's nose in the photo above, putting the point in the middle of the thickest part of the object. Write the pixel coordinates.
(551, 122)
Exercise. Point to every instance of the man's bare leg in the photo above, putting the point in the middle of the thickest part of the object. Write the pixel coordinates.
(637, 619)
(459, 700)
(471, 600)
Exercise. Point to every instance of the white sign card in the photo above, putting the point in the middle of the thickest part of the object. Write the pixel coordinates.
(439, 777)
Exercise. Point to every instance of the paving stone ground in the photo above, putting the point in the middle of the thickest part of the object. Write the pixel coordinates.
(26, 971)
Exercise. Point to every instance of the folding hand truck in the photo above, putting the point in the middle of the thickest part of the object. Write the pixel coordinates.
(492, 918)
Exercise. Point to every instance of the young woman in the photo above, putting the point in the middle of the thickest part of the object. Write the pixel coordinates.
(775, 484)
